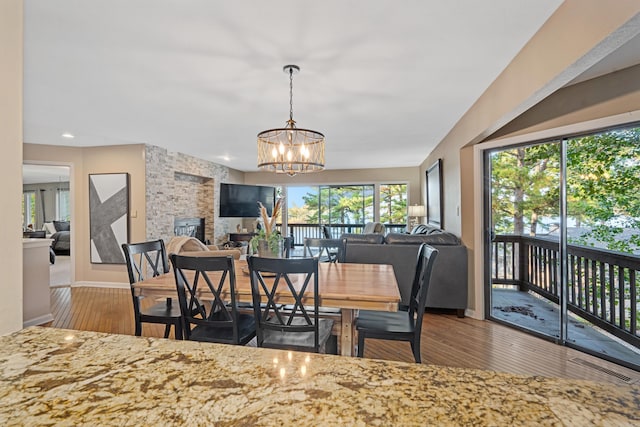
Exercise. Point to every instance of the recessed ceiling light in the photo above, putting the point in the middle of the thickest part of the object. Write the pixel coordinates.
(68, 135)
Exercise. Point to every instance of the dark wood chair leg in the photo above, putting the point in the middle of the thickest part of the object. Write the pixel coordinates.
(167, 330)
(360, 344)
(415, 347)
(138, 328)
(178, 329)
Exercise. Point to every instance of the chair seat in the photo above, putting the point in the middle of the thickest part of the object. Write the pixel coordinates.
(246, 331)
(278, 339)
(385, 322)
(161, 310)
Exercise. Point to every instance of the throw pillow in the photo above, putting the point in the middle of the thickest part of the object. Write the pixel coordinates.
(62, 225)
(49, 227)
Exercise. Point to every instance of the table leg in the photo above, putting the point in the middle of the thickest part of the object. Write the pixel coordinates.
(347, 333)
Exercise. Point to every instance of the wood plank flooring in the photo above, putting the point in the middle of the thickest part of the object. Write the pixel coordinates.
(446, 339)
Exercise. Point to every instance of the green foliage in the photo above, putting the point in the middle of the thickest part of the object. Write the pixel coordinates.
(273, 240)
(603, 187)
(393, 203)
(350, 204)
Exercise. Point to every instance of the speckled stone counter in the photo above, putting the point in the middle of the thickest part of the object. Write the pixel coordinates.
(60, 377)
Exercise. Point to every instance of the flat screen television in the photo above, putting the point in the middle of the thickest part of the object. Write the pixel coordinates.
(241, 201)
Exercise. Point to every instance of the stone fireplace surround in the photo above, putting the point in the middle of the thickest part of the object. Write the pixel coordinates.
(182, 186)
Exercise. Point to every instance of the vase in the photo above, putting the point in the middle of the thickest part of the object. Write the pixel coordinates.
(265, 251)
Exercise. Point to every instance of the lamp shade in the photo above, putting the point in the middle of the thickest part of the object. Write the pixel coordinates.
(416, 210)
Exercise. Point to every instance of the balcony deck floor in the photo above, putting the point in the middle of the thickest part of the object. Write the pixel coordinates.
(531, 312)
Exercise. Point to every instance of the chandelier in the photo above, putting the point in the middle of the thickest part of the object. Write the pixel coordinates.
(291, 150)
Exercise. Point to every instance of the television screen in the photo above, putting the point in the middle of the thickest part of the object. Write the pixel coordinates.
(241, 201)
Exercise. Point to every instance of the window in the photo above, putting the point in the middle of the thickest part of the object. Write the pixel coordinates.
(29, 208)
(393, 204)
(62, 204)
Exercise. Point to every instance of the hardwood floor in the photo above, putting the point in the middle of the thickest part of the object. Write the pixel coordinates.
(446, 339)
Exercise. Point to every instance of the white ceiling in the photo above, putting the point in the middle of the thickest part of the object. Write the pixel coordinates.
(39, 174)
(383, 80)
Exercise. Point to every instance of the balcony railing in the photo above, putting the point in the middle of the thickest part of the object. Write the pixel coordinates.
(603, 286)
(302, 231)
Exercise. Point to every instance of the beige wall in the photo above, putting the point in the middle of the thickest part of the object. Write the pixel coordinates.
(11, 164)
(614, 93)
(577, 36)
(85, 161)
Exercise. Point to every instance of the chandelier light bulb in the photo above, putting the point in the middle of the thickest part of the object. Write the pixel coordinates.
(281, 149)
(289, 155)
(274, 153)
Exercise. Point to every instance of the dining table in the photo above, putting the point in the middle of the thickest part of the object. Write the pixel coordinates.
(345, 287)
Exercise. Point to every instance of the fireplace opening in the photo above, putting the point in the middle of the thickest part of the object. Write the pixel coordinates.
(192, 227)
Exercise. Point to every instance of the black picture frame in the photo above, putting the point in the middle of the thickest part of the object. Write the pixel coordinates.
(108, 217)
(435, 201)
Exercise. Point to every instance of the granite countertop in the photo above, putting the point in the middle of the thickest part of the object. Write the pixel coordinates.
(62, 377)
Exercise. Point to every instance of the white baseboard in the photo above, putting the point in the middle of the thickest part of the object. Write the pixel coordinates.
(117, 285)
(38, 320)
(473, 314)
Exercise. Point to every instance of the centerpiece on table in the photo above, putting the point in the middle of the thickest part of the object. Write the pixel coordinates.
(268, 242)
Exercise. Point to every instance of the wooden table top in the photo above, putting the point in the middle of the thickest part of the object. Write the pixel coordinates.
(341, 285)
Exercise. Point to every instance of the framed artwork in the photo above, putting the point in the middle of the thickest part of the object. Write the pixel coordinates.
(434, 195)
(108, 216)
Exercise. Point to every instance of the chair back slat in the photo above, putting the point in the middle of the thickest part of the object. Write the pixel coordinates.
(326, 250)
(426, 257)
(145, 257)
(294, 279)
(202, 293)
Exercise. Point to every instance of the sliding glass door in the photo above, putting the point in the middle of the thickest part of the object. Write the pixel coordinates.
(563, 241)
(524, 225)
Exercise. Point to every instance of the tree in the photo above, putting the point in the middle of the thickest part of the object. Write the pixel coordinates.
(393, 203)
(603, 187)
(524, 187)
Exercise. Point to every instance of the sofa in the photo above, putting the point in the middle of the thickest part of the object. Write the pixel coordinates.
(449, 283)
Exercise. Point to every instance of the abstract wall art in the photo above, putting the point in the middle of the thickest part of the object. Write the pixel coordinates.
(108, 216)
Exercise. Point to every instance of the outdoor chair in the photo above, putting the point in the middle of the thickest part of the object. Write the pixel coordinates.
(326, 250)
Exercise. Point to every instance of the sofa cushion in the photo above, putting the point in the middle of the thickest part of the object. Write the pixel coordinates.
(376, 239)
(437, 237)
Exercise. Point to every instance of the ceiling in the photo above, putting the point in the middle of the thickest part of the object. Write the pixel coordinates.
(384, 81)
(39, 174)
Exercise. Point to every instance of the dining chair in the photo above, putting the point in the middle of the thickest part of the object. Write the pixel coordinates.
(401, 325)
(297, 326)
(151, 257)
(207, 295)
(326, 250)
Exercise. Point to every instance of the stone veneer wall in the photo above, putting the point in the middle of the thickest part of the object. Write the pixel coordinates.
(182, 186)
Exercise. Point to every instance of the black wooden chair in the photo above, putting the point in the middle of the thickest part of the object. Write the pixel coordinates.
(151, 257)
(202, 283)
(401, 325)
(298, 327)
(326, 250)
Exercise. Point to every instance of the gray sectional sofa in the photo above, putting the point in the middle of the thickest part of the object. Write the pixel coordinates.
(448, 288)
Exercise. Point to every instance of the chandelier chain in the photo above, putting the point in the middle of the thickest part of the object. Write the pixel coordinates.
(291, 94)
